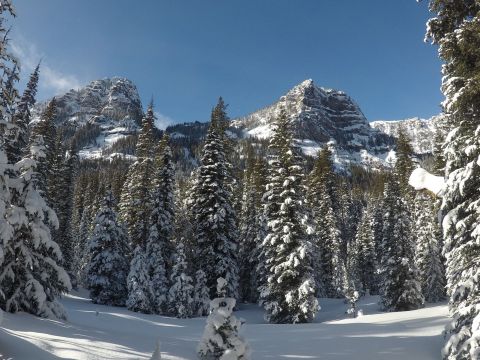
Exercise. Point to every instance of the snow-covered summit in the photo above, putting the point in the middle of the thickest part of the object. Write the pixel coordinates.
(110, 98)
(97, 115)
(321, 115)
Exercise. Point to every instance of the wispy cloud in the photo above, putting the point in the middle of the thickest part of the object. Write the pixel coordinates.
(162, 121)
(52, 81)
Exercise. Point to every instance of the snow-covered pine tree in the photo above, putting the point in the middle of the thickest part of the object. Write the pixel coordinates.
(17, 142)
(250, 222)
(180, 295)
(9, 74)
(455, 29)
(201, 294)
(215, 220)
(329, 262)
(161, 227)
(401, 289)
(428, 256)
(221, 339)
(31, 276)
(135, 201)
(6, 230)
(289, 295)
(138, 284)
(365, 255)
(46, 129)
(108, 250)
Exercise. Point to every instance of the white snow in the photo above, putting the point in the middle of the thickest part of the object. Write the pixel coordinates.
(102, 332)
(421, 179)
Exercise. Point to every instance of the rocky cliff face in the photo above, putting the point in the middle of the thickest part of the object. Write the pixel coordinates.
(322, 116)
(110, 109)
(420, 131)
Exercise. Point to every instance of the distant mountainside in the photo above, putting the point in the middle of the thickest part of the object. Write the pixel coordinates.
(420, 131)
(103, 118)
(105, 111)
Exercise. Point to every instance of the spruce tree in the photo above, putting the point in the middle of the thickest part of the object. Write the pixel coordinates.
(322, 199)
(135, 201)
(108, 249)
(161, 226)
(365, 255)
(401, 289)
(215, 220)
(180, 295)
(201, 294)
(31, 276)
(17, 143)
(289, 295)
(455, 29)
(46, 129)
(138, 284)
(428, 257)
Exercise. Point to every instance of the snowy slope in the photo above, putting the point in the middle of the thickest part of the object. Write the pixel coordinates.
(420, 131)
(116, 333)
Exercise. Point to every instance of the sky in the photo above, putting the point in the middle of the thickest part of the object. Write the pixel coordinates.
(187, 53)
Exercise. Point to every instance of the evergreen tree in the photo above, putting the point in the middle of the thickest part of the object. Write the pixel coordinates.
(180, 295)
(17, 144)
(138, 284)
(107, 269)
(201, 294)
(215, 220)
(6, 230)
(135, 201)
(220, 338)
(428, 256)
(401, 289)
(329, 262)
(251, 210)
(8, 72)
(365, 255)
(289, 295)
(455, 29)
(161, 227)
(46, 129)
(31, 276)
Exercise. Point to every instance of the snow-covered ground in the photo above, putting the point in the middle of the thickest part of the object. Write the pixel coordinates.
(102, 332)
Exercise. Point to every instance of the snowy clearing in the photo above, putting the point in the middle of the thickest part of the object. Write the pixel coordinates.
(116, 333)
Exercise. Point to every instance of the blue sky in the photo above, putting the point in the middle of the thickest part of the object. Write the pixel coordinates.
(186, 53)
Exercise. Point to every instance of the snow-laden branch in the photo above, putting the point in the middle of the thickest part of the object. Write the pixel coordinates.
(421, 179)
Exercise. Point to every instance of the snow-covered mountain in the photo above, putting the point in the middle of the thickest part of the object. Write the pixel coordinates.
(323, 116)
(107, 109)
(420, 131)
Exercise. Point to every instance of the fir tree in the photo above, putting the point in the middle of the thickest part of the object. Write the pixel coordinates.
(365, 255)
(31, 276)
(161, 227)
(138, 284)
(108, 266)
(329, 263)
(215, 220)
(180, 295)
(399, 276)
(201, 294)
(220, 338)
(46, 129)
(17, 144)
(135, 201)
(289, 295)
(455, 29)
(428, 256)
